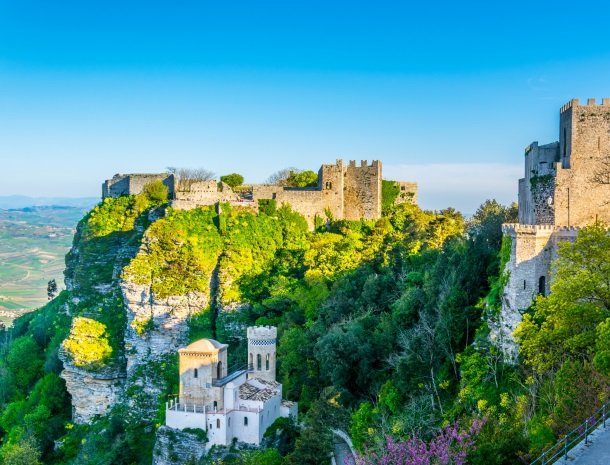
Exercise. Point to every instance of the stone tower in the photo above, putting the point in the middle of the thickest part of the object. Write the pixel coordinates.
(566, 186)
(202, 364)
(261, 351)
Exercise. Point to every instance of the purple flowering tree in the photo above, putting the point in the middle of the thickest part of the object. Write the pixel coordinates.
(449, 447)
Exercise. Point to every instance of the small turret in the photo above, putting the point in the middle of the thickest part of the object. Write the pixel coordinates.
(262, 352)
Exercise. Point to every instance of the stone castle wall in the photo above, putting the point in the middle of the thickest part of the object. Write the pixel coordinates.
(558, 195)
(362, 191)
(584, 147)
(343, 192)
(407, 192)
(131, 184)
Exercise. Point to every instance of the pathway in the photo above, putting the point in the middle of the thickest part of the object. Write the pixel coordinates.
(595, 452)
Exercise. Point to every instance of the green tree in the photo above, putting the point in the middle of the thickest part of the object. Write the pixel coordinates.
(232, 180)
(156, 191)
(302, 179)
(24, 452)
(24, 361)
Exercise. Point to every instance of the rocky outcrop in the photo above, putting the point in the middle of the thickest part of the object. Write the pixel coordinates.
(93, 392)
(156, 327)
(176, 447)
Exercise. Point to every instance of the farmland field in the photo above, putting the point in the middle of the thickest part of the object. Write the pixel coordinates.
(33, 244)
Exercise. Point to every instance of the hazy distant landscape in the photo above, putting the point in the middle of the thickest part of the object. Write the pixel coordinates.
(35, 234)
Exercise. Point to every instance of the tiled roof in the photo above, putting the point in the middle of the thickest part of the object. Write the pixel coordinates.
(258, 389)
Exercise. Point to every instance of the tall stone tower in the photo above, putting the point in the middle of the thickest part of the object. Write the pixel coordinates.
(566, 186)
(262, 352)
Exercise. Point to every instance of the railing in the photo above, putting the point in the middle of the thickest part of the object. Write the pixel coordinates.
(176, 406)
(574, 437)
(234, 372)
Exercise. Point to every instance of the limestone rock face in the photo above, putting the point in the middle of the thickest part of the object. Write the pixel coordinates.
(156, 327)
(176, 447)
(93, 392)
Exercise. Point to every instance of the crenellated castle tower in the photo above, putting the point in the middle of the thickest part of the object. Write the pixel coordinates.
(262, 341)
(566, 186)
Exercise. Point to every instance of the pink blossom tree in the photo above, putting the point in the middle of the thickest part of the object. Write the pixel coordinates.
(449, 447)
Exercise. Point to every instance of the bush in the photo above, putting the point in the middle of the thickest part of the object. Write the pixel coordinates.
(88, 344)
(232, 180)
(156, 191)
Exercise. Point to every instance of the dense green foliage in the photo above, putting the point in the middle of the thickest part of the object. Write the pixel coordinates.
(232, 180)
(302, 179)
(389, 193)
(382, 330)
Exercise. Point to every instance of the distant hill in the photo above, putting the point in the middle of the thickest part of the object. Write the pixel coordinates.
(23, 201)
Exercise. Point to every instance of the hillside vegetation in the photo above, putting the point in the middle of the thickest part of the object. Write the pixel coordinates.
(382, 332)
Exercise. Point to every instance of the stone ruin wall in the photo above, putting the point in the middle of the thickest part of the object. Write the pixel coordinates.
(132, 184)
(202, 193)
(407, 192)
(345, 191)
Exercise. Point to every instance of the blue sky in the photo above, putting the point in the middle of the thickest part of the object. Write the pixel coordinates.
(444, 93)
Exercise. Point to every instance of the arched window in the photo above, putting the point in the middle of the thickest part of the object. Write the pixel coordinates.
(259, 362)
(219, 370)
(218, 423)
(251, 360)
(229, 422)
(215, 405)
(245, 421)
(542, 285)
(195, 373)
(267, 362)
(524, 284)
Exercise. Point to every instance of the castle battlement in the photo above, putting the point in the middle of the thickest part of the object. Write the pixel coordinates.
(508, 228)
(591, 102)
(262, 332)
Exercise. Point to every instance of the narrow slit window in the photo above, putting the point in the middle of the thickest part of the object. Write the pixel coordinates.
(196, 373)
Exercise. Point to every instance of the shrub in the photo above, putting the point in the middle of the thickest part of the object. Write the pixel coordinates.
(232, 180)
(88, 344)
(156, 191)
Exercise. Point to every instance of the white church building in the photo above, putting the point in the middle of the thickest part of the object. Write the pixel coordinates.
(239, 405)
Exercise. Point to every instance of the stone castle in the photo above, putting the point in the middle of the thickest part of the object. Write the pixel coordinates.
(238, 405)
(566, 186)
(348, 192)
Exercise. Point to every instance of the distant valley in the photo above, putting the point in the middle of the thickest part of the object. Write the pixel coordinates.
(35, 235)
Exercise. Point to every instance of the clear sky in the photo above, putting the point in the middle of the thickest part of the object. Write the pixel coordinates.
(444, 93)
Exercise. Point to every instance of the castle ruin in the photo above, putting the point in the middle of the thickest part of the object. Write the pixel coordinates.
(566, 186)
(343, 191)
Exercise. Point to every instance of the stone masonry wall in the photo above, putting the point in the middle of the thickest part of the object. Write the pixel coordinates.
(533, 249)
(585, 145)
(132, 184)
(362, 191)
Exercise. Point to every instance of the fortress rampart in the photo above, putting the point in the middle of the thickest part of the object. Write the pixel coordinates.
(350, 192)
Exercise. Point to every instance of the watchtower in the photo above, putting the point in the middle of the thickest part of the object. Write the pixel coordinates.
(262, 342)
(582, 194)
